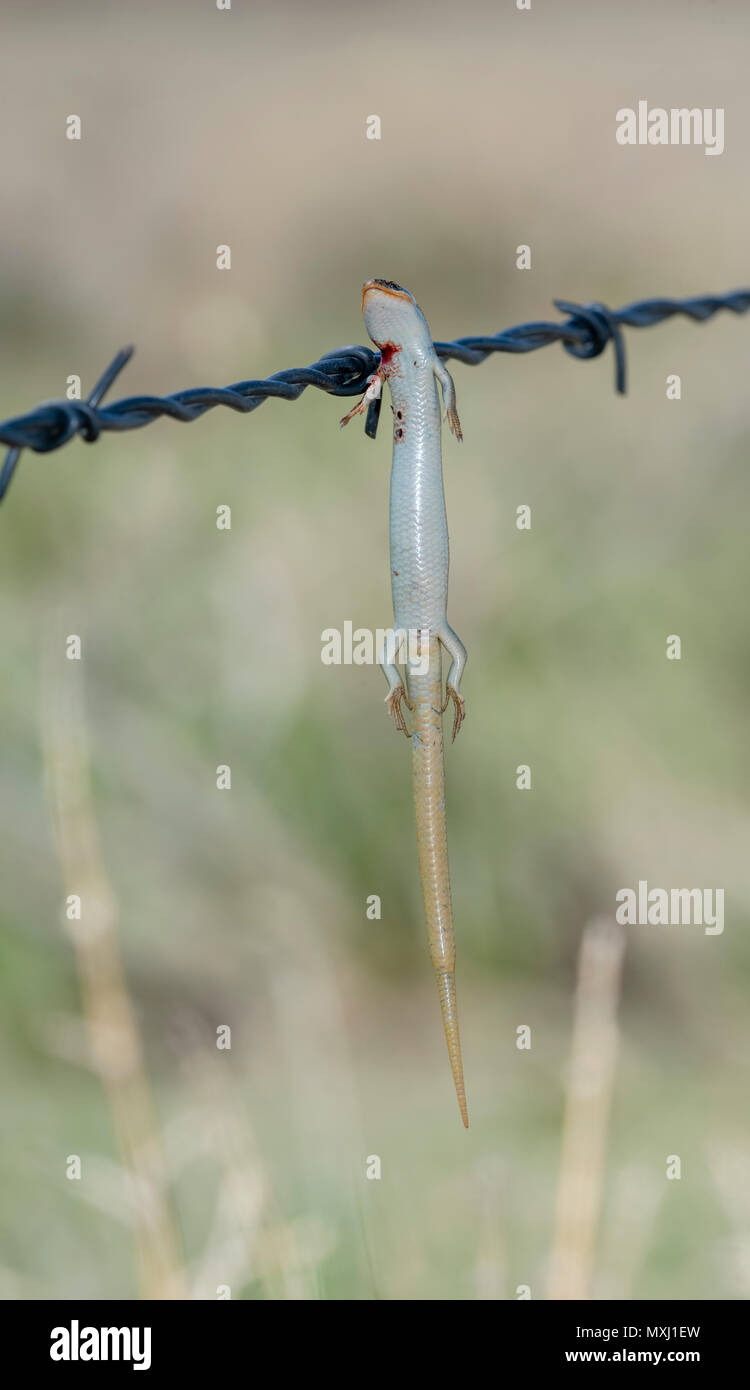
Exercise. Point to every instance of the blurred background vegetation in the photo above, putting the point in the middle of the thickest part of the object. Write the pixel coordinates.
(201, 647)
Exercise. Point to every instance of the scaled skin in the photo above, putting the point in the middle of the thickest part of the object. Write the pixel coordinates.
(419, 582)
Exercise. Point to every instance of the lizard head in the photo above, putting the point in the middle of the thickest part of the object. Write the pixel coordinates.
(392, 315)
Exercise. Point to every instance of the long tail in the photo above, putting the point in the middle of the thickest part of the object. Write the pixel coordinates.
(428, 771)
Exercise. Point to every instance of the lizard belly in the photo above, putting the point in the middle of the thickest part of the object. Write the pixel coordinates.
(418, 525)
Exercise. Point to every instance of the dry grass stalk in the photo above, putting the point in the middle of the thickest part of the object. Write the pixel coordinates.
(587, 1107)
(114, 1037)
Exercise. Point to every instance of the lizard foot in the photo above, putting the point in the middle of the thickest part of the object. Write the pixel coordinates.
(454, 423)
(393, 700)
(459, 708)
(357, 409)
(373, 393)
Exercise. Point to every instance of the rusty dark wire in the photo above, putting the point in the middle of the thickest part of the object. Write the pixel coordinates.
(585, 333)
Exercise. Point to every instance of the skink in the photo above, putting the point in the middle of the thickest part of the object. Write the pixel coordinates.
(419, 582)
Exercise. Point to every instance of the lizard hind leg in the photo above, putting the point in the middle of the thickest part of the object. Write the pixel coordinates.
(396, 693)
(459, 709)
(457, 653)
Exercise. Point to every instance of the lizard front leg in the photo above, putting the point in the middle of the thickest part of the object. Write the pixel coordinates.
(373, 393)
(448, 389)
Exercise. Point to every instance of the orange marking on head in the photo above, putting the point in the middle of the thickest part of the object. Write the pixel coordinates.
(385, 287)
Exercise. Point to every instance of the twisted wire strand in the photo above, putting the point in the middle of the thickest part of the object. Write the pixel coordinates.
(585, 333)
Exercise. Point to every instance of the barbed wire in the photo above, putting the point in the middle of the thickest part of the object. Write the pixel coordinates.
(585, 334)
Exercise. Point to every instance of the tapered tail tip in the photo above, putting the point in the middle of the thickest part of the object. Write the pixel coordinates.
(446, 983)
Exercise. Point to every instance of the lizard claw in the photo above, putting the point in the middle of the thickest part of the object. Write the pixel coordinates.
(357, 409)
(373, 393)
(454, 423)
(459, 710)
(393, 700)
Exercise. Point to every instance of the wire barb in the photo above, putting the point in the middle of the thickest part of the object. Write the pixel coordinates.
(584, 334)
